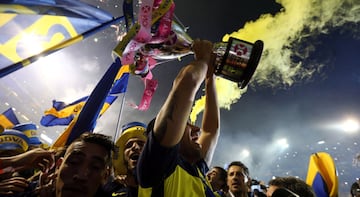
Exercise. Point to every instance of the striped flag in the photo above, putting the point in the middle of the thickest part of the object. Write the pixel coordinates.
(322, 175)
(8, 119)
(63, 114)
(33, 29)
(86, 120)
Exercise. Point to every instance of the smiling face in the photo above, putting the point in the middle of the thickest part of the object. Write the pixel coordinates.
(82, 171)
(133, 148)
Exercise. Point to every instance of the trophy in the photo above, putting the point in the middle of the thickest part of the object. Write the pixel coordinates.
(236, 60)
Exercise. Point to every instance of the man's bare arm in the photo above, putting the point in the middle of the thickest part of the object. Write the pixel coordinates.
(211, 117)
(172, 118)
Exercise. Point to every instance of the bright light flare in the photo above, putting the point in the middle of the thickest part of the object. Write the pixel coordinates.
(31, 41)
(321, 142)
(46, 138)
(283, 143)
(245, 153)
(350, 125)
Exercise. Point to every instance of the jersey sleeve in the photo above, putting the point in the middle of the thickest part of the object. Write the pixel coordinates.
(156, 162)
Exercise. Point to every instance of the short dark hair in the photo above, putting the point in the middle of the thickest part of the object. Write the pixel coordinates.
(101, 140)
(222, 172)
(293, 184)
(240, 164)
(354, 187)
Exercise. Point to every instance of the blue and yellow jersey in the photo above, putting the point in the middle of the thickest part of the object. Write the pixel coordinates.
(163, 172)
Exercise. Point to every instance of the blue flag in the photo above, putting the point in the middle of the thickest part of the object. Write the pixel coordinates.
(63, 114)
(322, 175)
(86, 120)
(8, 119)
(121, 80)
(30, 29)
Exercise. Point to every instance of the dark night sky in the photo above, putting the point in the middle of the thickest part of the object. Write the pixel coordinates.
(305, 111)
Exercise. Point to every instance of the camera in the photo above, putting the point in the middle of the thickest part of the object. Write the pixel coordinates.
(256, 185)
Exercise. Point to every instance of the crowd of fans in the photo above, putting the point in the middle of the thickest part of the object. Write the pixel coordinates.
(94, 166)
(168, 157)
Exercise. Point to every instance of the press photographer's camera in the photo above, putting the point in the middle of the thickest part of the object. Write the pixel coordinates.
(257, 188)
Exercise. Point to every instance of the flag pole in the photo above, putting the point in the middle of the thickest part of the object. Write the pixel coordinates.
(118, 125)
(85, 121)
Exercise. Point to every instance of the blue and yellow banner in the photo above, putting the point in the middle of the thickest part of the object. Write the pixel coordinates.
(30, 130)
(8, 119)
(121, 80)
(322, 175)
(30, 29)
(13, 140)
(86, 120)
(63, 114)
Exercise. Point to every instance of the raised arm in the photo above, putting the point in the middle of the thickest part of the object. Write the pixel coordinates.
(172, 118)
(36, 158)
(211, 117)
